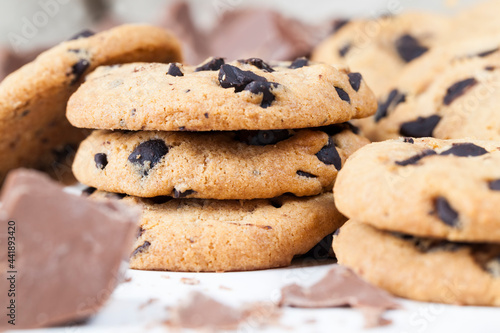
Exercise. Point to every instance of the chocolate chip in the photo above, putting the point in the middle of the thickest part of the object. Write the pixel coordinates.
(275, 203)
(329, 155)
(306, 174)
(494, 185)
(339, 24)
(409, 140)
(344, 49)
(465, 150)
(78, 69)
(213, 65)
(393, 99)
(101, 160)
(141, 249)
(420, 128)
(409, 48)
(264, 88)
(174, 70)
(487, 53)
(414, 159)
(355, 80)
(88, 191)
(206, 114)
(335, 129)
(445, 212)
(262, 138)
(489, 68)
(82, 34)
(179, 194)
(458, 89)
(140, 231)
(147, 154)
(343, 95)
(233, 77)
(299, 63)
(259, 63)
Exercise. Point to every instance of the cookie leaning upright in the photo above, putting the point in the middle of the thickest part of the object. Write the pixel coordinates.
(33, 99)
(242, 95)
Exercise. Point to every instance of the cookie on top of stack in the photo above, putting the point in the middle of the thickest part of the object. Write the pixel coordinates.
(232, 163)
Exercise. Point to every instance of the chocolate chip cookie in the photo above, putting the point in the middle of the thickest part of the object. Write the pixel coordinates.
(422, 269)
(216, 165)
(247, 94)
(447, 189)
(228, 235)
(35, 132)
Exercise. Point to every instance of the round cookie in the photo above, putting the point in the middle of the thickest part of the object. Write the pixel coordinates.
(425, 187)
(382, 47)
(422, 269)
(462, 101)
(216, 165)
(35, 132)
(212, 235)
(247, 94)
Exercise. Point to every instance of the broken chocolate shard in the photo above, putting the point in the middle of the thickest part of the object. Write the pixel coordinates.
(148, 154)
(494, 185)
(465, 150)
(458, 89)
(262, 138)
(415, 159)
(421, 127)
(355, 80)
(259, 63)
(445, 212)
(99, 236)
(343, 95)
(306, 174)
(329, 155)
(213, 65)
(82, 34)
(101, 160)
(79, 69)
(409, 48)
(264, 88)
(233, 77)
(393, 99)
(409, 140)
(299, 63)
(174, 70)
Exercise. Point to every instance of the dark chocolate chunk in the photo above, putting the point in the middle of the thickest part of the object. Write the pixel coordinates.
(259, 63)
(414, 159)
(179, 194)
(147, 154)
(494, 185)
(343, 95)
(262, 138)
(306, 174)
(339, 24)
(409, 48)
(329, 155)
(344, 49)
(445, 212)
(355, 80)
(299, 63)
(465, 150)
(233, 77)
(88, 191)
(393, 99)
(421, 127)
(83, 34)
(174, 70)
(79, 69)
(101, 160)
(206, 114)
(458, 89)
(141, 249)
(213, 65)
(264, 88)
(409, 140)
(487, 53)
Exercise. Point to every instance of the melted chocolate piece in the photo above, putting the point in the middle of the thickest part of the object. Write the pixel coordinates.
(79, 69)
(306, 174)
(458, 89)
(329, 155)
(465, 150)
(355, 80)
(141, 249)
(415, 159)
(179, 194)
(299, 63)
(420, 128)
(147, 154)
(213, 65)
(264, 88)
(262, 138)
(494, 185)
(344, 49)
(259, 63)
(82, 34)
(393, 99)
(445, 212)
(174, 70)
(343, 95)
(233, 77)
(409, 48)
(101, 160)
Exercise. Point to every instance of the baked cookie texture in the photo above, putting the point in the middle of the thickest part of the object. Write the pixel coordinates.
(382, 47)
(422, 269)
(33, 99)
(446, 189)
(228, 235)
(216, 165)
(243, 95)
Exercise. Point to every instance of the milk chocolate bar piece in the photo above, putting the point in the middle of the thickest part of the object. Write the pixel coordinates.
(60, 254)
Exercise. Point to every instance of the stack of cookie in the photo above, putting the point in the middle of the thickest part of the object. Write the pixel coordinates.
(233, 164)
(429, 227)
